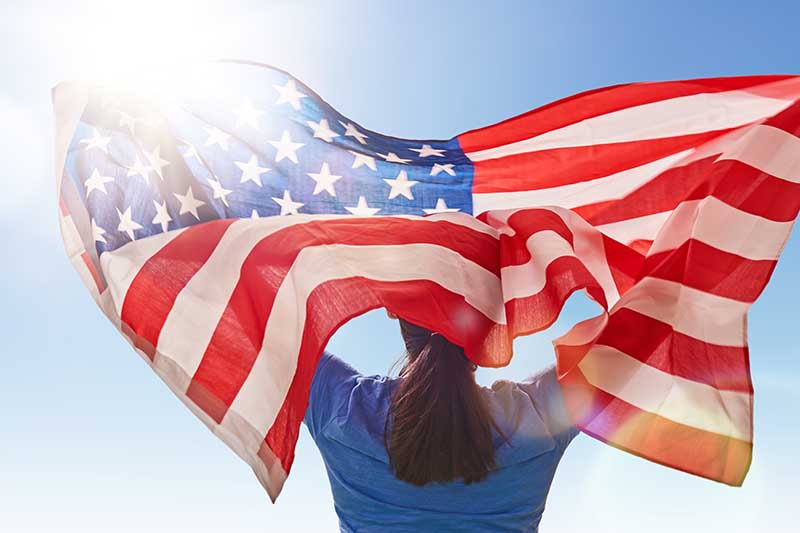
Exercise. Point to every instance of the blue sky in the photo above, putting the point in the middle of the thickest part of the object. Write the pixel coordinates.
(91, 440)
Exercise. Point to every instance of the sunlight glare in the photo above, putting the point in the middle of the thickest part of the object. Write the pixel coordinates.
(145, 47)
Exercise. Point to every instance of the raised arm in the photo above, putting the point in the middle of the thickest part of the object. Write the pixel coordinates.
(548, 400)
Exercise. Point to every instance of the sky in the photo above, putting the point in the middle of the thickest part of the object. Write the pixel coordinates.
(92, 440)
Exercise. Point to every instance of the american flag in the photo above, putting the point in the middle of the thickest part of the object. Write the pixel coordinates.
(229, 230)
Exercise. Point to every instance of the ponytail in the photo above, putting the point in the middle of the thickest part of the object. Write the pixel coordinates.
(438, 427)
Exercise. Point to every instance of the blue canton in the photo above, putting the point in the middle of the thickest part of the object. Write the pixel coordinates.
(249, 142)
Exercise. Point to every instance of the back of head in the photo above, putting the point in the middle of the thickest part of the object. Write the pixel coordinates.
(438, 428)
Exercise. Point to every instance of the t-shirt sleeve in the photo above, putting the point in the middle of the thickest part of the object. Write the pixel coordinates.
(548, 399)
(330, 390)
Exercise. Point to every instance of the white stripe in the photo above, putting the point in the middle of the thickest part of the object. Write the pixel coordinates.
(673, 397)
(590, 249)
(685, 115)
(123, 264)
(769, 150)
(527, 279)
(612, 187)
(703, 316)
(724, 227)
(632, 229)
(265, 388)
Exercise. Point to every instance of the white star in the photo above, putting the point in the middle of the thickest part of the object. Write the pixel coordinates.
(441, 207)
(156, 162)
(97, 141)
(362, 159)
(162, 217)
(322, 130)
(188, 203)
(351, 131)
(96, 182)
(428, 150)
(325, 180)
(127, 224)
(391, 157)
(288, 94)
(288, 206)
(217, 136)
(362, 209)
(247, 114)
(251, 171)
(128, 120)
(286, 148)
(448, 168)
(401, 185)
(139, 169)
(254, 215)
(220, 192)
(98, 232)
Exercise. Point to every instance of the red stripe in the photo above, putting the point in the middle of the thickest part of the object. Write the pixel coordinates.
(653, 437)
(642, 246)
(564, 166)
(703, 267)
(733, 182)
(239, 335)
(624, 262)
(597, 102)
(658, 345)
(152, 293)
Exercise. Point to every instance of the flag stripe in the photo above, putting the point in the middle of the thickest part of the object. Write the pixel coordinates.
(598, 102)
(601, 189)
(770, 150)
(655, 340)
(200, 305)
(712, 270)
(667, 395)
(731, 181)
(699, 114)
(568, 166)
(150, 298)
(704, 453)
(123, 265)
(724, 227)
(659, 299)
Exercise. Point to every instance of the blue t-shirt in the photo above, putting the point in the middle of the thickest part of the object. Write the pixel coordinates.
(346, 417)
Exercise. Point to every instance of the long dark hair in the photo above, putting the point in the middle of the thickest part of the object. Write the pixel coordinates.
(438, 427)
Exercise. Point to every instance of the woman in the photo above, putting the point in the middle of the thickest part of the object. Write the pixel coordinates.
(431, 450)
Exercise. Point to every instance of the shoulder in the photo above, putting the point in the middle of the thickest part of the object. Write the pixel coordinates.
(542, 393)
(331, 385)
